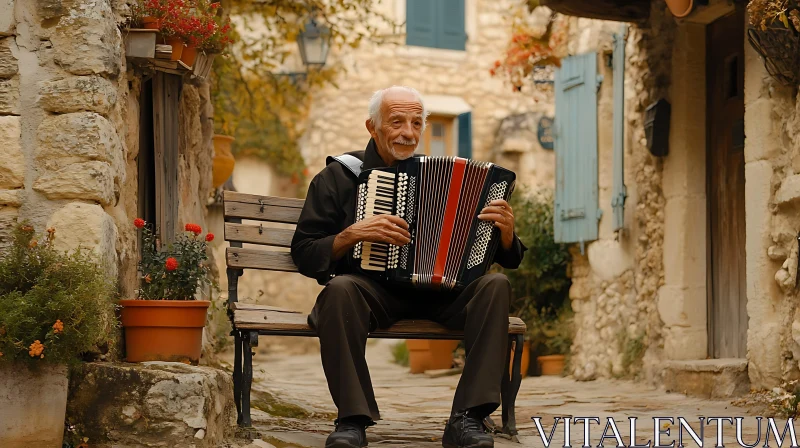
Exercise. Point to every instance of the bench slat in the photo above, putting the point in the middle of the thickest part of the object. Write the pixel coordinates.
(276, 322)
(241, 258)
(233, 196)
(269, 213)
(255, 307)
(250, 234)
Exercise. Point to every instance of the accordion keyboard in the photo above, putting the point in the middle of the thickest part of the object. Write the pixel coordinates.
(376, 197)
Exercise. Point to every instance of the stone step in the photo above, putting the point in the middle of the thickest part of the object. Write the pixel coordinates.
(707, 378)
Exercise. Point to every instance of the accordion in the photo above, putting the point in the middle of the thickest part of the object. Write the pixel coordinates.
(440, 198)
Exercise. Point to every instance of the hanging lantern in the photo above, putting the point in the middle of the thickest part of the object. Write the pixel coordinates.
(314, 42)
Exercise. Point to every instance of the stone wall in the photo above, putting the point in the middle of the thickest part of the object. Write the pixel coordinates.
(69, 131)
(337, 117)
(772, 164)
(615, 282)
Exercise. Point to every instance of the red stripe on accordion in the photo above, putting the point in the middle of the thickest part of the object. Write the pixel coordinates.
(459, 166)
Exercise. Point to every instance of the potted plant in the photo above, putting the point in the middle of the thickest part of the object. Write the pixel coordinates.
(54, 307)
(165, 322)
(551, 339)
(425, 354)
(223, 161)
(541, 282)
(212, 46)
(774, 33)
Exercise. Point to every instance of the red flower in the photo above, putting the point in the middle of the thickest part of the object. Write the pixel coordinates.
(210, 237)
(171, 264)
(194, 228)
(138, 223)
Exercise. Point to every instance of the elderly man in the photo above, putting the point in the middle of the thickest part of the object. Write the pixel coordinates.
(351, 305)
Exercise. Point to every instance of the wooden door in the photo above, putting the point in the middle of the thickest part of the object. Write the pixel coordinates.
(727, 298)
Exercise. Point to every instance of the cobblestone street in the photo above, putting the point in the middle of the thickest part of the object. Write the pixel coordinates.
(414, 407)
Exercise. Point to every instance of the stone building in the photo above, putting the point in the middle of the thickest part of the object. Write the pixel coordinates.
(692, 283)
(472, 113)
(77, 127)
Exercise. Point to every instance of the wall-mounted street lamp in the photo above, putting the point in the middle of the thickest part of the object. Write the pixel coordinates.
(314, 42)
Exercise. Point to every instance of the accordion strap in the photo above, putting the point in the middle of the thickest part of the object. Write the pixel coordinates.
(352, 163)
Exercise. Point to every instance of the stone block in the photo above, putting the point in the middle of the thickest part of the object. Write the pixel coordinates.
(77, 94)
(789, 192)
(153, 404)
(8, 219)
(12, 197)
(682, 306)
(88, 181)
(12, 161)
(87, 226)
(758, 217)
(609, 259)
(78, 137)
(685, 241)
(9, 96)
(707, 378)
(87, 41)
(8, 62)
(8, 24)
(763, 352)
(685, 342)
(761, 142)
(49, 9)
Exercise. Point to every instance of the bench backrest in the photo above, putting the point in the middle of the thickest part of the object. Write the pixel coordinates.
(266, 210)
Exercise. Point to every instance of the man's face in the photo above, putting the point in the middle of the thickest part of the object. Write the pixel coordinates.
(397, 135)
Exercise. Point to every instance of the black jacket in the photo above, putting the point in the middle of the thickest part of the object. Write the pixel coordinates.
(330, 208)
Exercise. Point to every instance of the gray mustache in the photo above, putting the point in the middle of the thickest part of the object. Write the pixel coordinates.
(402, 141)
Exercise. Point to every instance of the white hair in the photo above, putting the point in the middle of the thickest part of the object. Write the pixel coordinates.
(377, 99)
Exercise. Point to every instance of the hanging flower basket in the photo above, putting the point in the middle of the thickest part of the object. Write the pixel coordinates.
(774, 34)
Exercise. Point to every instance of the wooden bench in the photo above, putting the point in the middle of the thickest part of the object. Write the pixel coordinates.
(251, 320)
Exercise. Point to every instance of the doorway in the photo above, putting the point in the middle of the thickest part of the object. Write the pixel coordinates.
(727, 286)
(438, 138)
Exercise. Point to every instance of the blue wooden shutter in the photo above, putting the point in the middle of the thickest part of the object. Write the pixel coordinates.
(421, 23)
(465, 135)
(450, 31)
(576, 211)
(619, 192)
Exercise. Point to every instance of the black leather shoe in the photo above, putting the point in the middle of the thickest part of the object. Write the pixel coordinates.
(464, 430)
(348, 434)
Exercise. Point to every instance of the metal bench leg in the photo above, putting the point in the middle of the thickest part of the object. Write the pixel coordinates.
(237, 375)
(511, 385)
(250, 340)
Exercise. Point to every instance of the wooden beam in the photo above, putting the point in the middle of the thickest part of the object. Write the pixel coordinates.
(617, 10)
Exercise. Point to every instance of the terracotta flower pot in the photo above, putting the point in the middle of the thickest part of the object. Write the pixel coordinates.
(164, 330)
(223, 162)
(33, 404)
(177, 47)
(188, 55)
(680, 8)
(551, 364)
(525, 361)
(150, 23)
(424, 354)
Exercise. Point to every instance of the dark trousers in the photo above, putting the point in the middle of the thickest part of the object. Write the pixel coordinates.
(351, 306)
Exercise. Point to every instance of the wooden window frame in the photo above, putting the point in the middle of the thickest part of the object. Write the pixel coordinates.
(449, 135)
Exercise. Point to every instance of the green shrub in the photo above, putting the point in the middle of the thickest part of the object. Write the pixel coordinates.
(541, 282)
(54, 306)
(400, 354)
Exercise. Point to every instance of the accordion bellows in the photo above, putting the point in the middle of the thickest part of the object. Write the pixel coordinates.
(440, 198)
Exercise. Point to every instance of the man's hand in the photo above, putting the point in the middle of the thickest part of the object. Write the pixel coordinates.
(389, 229)
(503, 216)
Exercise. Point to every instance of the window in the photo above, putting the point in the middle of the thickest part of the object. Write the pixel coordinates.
(436, 24)
(437, 140)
